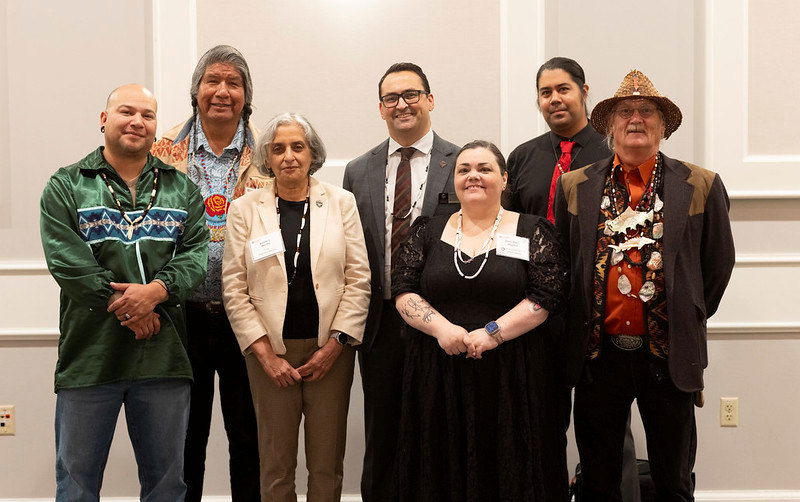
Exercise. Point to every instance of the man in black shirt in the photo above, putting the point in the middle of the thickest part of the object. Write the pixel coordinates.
(535, 165)
(534, 168)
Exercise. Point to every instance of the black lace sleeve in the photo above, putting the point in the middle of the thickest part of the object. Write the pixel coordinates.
(547, 269)
(408, 269)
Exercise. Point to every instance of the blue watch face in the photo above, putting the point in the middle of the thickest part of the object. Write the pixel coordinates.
(492, 327)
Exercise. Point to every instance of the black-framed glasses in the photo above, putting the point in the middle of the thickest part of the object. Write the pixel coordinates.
(410, 96)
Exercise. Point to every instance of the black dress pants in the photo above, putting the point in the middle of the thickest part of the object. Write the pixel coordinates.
(382, 380)
(213, 349)
(602, 405)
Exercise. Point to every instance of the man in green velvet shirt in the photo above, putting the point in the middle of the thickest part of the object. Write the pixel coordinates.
(125, 238)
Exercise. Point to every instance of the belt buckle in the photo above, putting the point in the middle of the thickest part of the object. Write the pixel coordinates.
(627, 343)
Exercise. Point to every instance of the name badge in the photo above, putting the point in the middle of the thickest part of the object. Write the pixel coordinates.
(266, 246)
(513, 246)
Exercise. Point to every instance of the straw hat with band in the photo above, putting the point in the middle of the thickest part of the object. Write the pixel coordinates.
(636, 85)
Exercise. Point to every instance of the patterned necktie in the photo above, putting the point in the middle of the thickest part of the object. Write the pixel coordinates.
(401, 209)
(562, 166)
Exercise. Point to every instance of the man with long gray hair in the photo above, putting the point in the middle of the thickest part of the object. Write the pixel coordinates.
(214, 148)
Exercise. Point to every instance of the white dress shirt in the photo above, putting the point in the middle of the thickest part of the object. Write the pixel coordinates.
(419, 177)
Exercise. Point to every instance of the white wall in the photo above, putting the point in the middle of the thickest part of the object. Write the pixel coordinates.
(726, 63)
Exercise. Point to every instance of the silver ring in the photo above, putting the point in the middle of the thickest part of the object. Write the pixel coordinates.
(127, 316)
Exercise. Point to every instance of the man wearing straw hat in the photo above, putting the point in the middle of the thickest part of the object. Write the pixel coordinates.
(651, 253)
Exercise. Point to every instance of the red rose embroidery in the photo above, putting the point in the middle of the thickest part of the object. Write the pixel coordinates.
(216, 205)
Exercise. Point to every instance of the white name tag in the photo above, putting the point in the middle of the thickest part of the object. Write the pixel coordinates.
(513, 246)
(266, 246)
(250, 189)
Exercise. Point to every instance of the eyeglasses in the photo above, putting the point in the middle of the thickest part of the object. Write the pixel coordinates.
(644, 112)
(410, 96)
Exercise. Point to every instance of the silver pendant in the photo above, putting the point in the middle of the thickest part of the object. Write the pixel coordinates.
(655, 262)
(658, 230)
(616, 256)
(647, 291)
(605, 203)
(623, 284)
(659, 203)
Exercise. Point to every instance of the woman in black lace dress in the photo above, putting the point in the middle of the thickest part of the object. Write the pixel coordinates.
(480, 419)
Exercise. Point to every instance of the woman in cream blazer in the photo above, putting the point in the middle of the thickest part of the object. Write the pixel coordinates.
(297, 313)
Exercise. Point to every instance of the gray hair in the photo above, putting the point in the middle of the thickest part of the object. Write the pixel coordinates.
(260, 155)
(227, 55)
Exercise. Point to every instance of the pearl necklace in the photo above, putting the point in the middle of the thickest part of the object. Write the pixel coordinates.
(457, 255)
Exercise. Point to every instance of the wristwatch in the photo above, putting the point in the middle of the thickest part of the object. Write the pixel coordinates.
(340, 337)
(493, 330)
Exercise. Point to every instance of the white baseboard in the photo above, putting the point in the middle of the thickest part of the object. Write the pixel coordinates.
(705, 496)
(748, 495)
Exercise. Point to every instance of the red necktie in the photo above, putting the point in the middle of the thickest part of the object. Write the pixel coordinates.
(401, 209)
(562, 166)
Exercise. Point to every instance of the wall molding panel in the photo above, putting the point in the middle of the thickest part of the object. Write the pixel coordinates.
(727, 90)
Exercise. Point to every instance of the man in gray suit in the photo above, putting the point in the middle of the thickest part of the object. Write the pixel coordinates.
(408, 175)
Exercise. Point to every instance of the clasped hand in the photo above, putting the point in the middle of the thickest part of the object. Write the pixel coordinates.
(456, 340)
(284, 374)
(133, 306)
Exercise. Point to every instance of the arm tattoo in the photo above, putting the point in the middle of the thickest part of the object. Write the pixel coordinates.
(419, 309)
(534, 307)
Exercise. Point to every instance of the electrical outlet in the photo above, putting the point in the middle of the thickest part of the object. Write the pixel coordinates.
(7, 420)
(729, 412)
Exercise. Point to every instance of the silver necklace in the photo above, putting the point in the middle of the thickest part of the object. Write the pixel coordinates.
(457, 255)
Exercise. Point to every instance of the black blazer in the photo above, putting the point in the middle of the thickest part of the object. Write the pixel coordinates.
(698, 260)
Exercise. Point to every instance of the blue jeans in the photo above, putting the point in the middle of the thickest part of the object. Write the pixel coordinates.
(156, 411)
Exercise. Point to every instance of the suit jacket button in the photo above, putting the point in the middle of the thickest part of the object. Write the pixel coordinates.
(316, 285)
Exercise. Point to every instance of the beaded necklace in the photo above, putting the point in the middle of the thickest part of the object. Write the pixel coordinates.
(457, 255)
(299, 231)
(414, 203)
(132, 223)
(649, 203)
(231, 173)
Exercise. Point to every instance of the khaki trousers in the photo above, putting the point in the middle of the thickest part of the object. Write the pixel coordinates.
(324, 405)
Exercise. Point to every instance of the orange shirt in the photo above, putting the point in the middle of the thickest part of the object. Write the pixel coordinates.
(624, 315)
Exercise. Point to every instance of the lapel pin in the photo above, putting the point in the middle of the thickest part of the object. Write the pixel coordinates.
(442, 163)
(319, 203)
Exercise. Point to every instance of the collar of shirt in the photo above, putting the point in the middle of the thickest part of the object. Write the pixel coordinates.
(645, 168)
(237, 143)
(424, 144)
(581, 137)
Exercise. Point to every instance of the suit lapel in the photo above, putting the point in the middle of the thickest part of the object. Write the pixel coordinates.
(376, 179)
(318, 214)
(677, 198)
(589, 194)
(269, 217)
(439, 169)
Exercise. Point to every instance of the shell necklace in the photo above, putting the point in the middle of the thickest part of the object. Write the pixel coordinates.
(132, 223)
